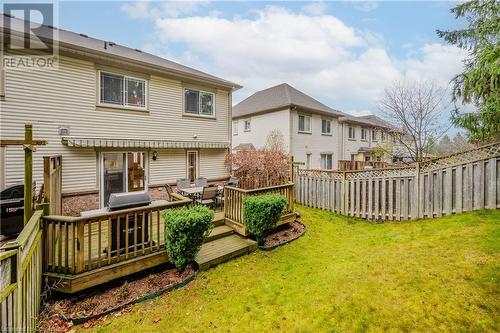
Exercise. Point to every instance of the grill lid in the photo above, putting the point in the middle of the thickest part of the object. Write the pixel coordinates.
(128, 200)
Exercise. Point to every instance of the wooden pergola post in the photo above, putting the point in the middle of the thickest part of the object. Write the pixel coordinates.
(29, 146)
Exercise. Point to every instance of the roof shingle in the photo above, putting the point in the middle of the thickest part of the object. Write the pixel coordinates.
(280, 96)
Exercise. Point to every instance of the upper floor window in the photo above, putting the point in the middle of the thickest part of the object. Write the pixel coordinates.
(363, 134)
(352, 132)
(122, 90)
(326, 126)
(304, 123)
(248, 125)
(383, 136)
(374, 135)
(326, 161)
(235, 127)
(199, 102)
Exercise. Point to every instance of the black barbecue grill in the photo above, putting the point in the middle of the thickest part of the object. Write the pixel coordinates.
(126, 200)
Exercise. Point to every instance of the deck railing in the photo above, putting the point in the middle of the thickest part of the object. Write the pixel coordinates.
(74, 245)
(21, 279)
(234, 197)
(346, 165)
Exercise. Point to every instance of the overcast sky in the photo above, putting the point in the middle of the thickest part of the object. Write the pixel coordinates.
(341, 53)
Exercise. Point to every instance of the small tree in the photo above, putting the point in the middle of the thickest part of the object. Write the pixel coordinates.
(259, 168)
(275, 141)
(415, 109)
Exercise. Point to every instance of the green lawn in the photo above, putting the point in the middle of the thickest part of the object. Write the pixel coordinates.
(345, 275)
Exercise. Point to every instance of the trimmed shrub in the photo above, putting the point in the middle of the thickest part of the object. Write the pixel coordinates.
(185, 230)
(262, 213)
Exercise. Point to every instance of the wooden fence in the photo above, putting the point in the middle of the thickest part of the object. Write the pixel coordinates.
(234, 209)
(21, 279)
(52, 183)
(453, 184)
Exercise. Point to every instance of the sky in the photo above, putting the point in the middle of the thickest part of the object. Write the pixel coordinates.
(342, 53)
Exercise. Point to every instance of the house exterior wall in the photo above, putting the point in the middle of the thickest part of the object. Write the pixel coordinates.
(68, 97)
(351, 146)
(260, 126)
(314, 143)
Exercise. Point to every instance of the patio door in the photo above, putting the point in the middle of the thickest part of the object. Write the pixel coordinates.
(122, 172)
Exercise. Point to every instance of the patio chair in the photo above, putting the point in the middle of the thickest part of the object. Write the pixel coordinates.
(201, 182)
(170, 191)
(233, 181)
(208, 196)
(182, 183)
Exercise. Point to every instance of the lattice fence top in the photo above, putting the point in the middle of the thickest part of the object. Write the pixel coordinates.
(381, 173)
(481, 153)
(323, 174)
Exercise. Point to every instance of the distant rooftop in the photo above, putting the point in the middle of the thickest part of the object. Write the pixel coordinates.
(280, 97)
(110, 49)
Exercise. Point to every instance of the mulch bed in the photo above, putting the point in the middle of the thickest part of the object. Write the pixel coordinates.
(284, 234)
(113, 299)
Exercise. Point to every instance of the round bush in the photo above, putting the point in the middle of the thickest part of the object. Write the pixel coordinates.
(185, 230)
(262, 213)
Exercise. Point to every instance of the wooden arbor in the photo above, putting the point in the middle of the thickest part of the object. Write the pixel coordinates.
(29, 146)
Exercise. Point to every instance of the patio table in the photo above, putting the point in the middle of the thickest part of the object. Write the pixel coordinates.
(197, 190)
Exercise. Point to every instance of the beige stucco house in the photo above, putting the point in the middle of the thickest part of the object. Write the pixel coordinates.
(313, 133)
(122, 119)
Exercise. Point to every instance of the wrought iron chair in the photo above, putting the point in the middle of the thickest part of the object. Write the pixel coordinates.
(201, 182)
(181, 184)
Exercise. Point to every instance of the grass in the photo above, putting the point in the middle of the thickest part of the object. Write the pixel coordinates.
(345, 275)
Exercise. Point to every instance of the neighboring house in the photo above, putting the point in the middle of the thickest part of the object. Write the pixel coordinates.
(314, 133)
(367, 138)
(122, 119)
(310, 128)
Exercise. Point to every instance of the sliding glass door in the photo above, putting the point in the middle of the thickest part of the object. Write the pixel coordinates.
(122, 172)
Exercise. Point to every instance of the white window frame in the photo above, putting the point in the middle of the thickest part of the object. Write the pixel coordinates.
(353, 137)
(383, 136)
(199, 114)
(249, 122)
(235, 127)
(197, 153)
(310, 124)
(324, 167)
(374, 135)
(365, 131)
(124, 105)
(125, 164)
(331, 130)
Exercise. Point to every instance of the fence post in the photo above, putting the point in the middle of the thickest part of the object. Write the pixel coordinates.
(417, 191)
(28, 175)
(345, 194)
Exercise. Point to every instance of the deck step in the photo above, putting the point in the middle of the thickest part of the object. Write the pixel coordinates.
(218, 219)
(223, 249)
(219, 232)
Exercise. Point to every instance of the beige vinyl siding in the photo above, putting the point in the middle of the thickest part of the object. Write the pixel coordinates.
(67, 97)
(169, 166)
(212, 163)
